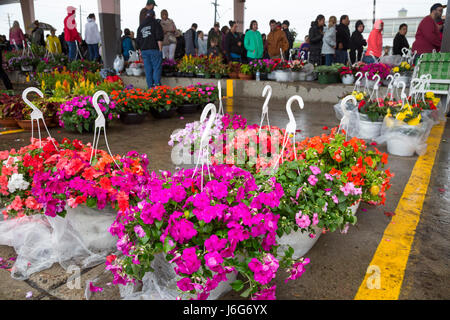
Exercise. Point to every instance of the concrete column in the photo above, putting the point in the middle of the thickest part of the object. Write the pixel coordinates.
(109, 17)
(446, 38)
(239, 9)
(27, 7)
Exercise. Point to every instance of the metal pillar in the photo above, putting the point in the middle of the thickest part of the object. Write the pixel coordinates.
(28, 16)
(239, 9)
(109, 18)
(446, 38)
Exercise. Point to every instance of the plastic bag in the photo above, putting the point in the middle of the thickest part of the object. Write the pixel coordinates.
(162, 284)
(405, 140)
(308, 68)
(134, 56)
(81, 239)
(351, 122)
(119, 63)
(391, 60)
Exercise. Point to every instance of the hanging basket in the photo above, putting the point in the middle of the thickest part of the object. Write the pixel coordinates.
(369, 130)
(299, 241)
(398, 147)
(348, 79)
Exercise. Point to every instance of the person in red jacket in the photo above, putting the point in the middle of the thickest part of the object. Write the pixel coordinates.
(71, 33)
(428, 37)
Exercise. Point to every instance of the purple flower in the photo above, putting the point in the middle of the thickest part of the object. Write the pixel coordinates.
(139, 231)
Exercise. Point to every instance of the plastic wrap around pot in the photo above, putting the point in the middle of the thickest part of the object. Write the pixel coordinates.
(81, 239)
(301, 242)
(162, 284)
(391, 60)
(369, 130)
(351, 122)
(405, 140)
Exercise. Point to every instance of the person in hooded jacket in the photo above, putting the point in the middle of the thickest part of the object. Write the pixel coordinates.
(357, 42)
(253, 42)
(127, 44)
(71, 33)
(92, 37)
(342, 39)
(375, 43)
(316, 40)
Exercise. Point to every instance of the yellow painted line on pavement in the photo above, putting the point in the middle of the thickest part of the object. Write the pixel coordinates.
(11, 132)
(385, 273)
(230, 84)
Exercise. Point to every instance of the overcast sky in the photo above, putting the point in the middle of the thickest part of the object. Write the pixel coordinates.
(184, 13)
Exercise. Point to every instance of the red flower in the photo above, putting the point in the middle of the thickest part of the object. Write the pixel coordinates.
(384, 159)
(362, 104)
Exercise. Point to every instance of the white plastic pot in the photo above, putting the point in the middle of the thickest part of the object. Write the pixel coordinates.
(129, 71)
(282, 76)
(369, 130)
(355, 207)
(398, 147)
(302, 76)
(295, 76)
(311, 77)
(300, 242)
(348, 79)
(137, 72)
(271, 76)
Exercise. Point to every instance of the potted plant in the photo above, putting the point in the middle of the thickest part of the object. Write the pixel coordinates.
(78, 114)
(186, 66)
(169, 67)
(374, 69)
(282, 71)
(162, 102)
(10, 110)
(406, 71)
(131, 104)
(245, 72)
(48, 109)
(235, 69)
(297, 67)
(347, 75)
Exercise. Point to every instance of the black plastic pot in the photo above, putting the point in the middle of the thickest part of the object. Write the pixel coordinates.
(188, 108)
(132, 118)
(189, 74)
(264, 77)
(164, 114)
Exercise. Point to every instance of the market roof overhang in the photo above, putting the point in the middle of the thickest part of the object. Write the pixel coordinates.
(8, 1)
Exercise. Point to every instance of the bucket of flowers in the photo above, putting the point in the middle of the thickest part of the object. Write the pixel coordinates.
(282, 71)
(373, 69)
(297, 68)
(132, 105)
(162, 102)
(347, 75)
(78, 114)
(406, 72)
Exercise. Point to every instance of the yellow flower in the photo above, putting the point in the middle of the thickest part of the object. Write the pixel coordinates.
(429, 95)
(28, 78)
(436, 101)
(416, 121)
(407, 66)
(186, 214)
(400, 116)
(396, 69)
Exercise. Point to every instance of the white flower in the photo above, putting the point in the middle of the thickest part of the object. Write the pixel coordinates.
(17, 182)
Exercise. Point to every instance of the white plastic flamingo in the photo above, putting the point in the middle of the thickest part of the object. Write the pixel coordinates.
(100, 123)
(390, 90)
(302, 55)
(221, 111)
(376, 87)
(265, 110)
(345, 122)
(203, 156)
(366, 84)
(359, 76)
(291, 128)
(36, 114)
(414, 88)
(403, 94)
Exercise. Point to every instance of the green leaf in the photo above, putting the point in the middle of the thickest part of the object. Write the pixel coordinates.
(246, 293)
(159, 224)
(167, 247)
(238, 285)
(91, 202)
(145, 239)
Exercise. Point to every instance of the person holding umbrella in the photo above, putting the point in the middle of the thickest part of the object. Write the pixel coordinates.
(37, 35)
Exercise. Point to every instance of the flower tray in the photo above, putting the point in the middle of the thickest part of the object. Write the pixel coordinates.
(132, 118)
(8, 123)
(188, 108)
(164, 114)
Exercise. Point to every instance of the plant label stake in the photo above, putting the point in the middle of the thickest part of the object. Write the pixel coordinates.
(221, 111)
(345, 122)
(100, 123)
(265, 110)
(203, 156)
(291, 129)
(36, 114)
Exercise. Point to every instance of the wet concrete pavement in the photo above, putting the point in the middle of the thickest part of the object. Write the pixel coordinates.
(338, 261)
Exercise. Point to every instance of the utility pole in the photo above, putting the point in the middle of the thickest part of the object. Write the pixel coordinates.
(215, 10)
(374, 10)
(9, 21)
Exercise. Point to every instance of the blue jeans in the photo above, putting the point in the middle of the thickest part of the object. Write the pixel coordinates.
(329, 59)
(341, 56)
(72, 50)
(153, 67)
(368, 59)
(93, 52)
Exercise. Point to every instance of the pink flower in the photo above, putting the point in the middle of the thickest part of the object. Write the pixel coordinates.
(93, 288)
(188, 263)
(139, 231)
(213, 261)
(213, 243)
(313, 180)
(17, 204)
(182, 231)
(315, 170)
(298, 269)
(335, 199)
(185, 284)
(266, 294)
(264, 273)
(329, 177)
(302, 220)
(315, 219)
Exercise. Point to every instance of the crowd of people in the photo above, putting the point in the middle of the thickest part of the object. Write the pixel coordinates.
(159, 39)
